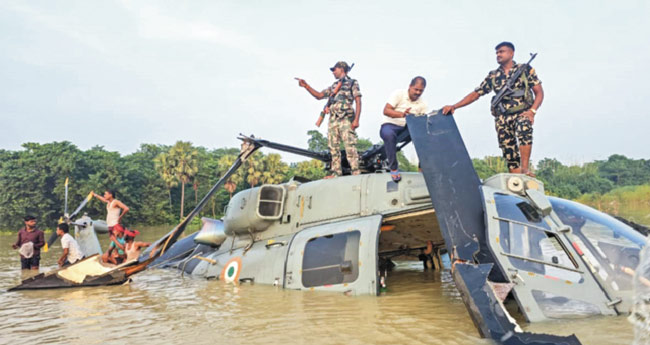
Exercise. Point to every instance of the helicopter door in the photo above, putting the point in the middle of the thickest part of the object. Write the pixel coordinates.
(550, 280)
(338, 257)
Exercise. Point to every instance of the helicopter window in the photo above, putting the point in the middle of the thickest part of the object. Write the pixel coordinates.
(560, 307)
(529, 212)
(610, 246)
(271, 202)
(529, 243)
(331, 259)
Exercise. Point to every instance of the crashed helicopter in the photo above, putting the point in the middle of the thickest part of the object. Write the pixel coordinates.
(507, 241)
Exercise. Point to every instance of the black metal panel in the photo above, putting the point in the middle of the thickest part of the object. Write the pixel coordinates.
(53, 281)
(178, 251)
(488, 314)
(453, 185)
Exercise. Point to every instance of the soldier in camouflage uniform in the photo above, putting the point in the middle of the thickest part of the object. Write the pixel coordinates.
(515, 115)
(344, 118)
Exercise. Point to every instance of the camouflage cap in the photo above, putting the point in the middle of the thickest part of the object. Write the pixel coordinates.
(341, 64)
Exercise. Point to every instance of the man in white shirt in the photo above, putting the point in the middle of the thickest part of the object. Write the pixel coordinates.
(71, 250)
(400, 103)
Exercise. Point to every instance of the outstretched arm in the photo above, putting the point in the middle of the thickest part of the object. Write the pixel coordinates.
(142, 244)
(316, 94)
(100, 197)
(469, 99)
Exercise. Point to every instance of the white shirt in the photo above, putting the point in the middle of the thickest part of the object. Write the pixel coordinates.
(112, 213)
(74, 251)
(400, 101)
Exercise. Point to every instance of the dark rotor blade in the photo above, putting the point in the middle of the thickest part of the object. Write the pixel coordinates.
(53, 237)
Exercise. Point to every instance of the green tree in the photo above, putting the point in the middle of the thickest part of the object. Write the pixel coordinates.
(255, 166)
(185, 161)
(404, 163)
(165, 167)
(275, 170)
(317, 142)
(225, 162)
(312, 169)
(489, 166)
(363, 144)
(623, 171)
(147, 192)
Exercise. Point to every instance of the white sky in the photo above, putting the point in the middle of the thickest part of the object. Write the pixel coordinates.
(122, 73)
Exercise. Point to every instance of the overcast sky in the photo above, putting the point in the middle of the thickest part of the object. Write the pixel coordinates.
(122, 73)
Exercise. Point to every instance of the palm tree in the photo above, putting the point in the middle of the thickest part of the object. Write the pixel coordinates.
(311, 169)
(255, 166)
(224, 164)
(275, 170)
(186, 165)
(165, 167)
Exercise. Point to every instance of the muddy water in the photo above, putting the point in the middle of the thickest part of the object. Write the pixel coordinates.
(162, 307)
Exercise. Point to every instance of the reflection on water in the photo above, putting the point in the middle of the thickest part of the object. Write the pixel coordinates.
(159, 306)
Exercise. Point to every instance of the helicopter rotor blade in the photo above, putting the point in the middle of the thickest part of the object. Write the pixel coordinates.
(83, 203)
(54, 236)
(65, 207)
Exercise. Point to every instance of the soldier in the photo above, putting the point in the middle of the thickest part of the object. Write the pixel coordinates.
(515, 115)
(344, 119)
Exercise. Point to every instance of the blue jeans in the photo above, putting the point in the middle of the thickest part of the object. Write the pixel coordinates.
(388, 134)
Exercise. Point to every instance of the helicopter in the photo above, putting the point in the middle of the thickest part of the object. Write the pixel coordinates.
(507, 241)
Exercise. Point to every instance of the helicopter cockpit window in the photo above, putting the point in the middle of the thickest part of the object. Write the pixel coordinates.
(331, 259)
(271, 202)
(528, 241)
(611, 247)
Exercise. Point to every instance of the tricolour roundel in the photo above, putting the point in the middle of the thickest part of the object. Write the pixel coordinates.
(230, 272)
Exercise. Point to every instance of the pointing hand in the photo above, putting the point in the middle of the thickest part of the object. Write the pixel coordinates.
(301, 82)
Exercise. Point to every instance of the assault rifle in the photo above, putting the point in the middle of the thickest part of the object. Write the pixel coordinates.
(330, 99)
(496, 106)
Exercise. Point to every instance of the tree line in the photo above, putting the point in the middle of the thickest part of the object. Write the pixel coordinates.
(160, 183)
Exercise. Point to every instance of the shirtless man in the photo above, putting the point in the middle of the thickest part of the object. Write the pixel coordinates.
(133, 247)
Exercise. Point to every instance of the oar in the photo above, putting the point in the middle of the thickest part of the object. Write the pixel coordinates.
(158, 248)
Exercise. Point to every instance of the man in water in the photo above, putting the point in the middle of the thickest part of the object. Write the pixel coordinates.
(113, 208)
(30, 240)
(71, 250)
(515, 115)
